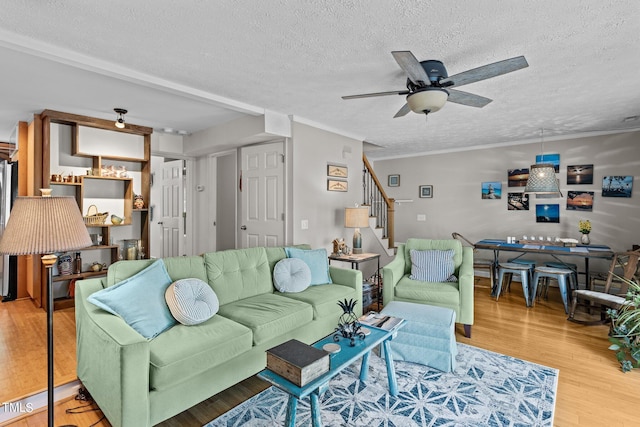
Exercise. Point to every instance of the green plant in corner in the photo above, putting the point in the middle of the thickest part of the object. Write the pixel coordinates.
(625, 328)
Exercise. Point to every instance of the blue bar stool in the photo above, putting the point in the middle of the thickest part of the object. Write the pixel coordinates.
(570, 266)
(511, 268)
(531, 263)
(565, 279)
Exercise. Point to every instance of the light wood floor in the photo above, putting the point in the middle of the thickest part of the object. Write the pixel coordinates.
(592, 391)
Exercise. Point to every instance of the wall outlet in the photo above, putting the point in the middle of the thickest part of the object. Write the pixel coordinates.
(304, 224)
(422, 217)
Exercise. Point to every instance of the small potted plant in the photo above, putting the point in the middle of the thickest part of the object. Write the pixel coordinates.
(584, 225)
(625, 329)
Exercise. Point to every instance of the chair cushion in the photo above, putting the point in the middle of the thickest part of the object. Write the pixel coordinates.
(291, 275)
(268, 315)
(139, 300)
(191, 301)
(440, 293)
(431, 265)
(317, 261)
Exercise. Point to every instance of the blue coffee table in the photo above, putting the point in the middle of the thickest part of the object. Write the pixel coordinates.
(345, 357)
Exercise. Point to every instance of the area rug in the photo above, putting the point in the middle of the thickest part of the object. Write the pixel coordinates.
(486, 389)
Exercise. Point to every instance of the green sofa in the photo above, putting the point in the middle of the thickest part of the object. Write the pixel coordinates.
(139, 382)
(456, 295)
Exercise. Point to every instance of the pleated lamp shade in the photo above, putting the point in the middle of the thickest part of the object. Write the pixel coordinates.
(44, 225)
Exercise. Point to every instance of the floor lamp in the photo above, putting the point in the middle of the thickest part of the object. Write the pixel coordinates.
(42, 226)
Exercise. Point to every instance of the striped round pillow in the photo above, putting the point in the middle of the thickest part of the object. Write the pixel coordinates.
(191, 301)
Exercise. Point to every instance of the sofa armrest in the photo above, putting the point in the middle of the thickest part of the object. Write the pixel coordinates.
(112, 360)
(391, 275)
(350, 278)
(466, 284)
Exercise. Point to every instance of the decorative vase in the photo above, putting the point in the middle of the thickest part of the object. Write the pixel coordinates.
(585, 239)
(348, 325)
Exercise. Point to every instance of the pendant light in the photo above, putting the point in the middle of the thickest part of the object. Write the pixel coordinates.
(120, 117)
(542, 176)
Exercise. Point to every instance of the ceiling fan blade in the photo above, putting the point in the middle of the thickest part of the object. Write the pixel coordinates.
(412, 67)
(369, 95)
(487, 71)
(403, 111)
(466, 98)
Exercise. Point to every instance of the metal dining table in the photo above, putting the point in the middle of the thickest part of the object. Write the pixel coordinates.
(555, 251)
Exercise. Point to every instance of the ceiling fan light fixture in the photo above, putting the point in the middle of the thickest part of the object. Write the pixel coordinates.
(427, 100)
(120, 112)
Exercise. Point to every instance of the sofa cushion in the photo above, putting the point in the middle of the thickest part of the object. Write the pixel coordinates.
(182, 267)
(317, 261)
(433, 292)
(237, 274)
(139, 300)
(268, 315)
(324, 299)
(431, 265)
(184, 352)
(191, 301)
(291, 275)
(275, 254)
(428, 244)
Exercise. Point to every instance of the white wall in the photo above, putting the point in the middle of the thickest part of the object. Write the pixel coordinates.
(457, 204)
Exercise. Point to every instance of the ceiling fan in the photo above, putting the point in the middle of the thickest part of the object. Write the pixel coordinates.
(429, 86)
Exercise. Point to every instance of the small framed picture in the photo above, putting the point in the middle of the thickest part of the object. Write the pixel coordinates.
(337, 185)
(337, 171)
(393, 180)
(426, 191)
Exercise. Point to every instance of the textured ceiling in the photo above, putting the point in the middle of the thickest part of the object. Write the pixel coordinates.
(193, 64)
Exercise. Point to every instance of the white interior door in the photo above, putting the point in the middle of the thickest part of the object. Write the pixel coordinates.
(171, 215)
(262, 198)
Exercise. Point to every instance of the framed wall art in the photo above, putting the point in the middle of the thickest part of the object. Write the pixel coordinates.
(617, 186)
(579, 174)
(492, 190)
(425, 191)
(554, 159)
(517, 202)
(548, 213)
(580, 201)
(517, 177)
(393, 180)
(337, 185)
(337, 171)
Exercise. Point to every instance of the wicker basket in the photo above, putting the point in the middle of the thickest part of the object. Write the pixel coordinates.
(93, 217)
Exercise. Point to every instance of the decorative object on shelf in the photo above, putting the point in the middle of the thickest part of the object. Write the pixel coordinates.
(120, 112)
(93, 217)
(355, 218)
(584, 225)
(116, 220)
(348, 325)
(65, 264)
(96, 266)
(45, 225)
(56, 177)
(130, 251)
(339, 246)
(138, 201)
(78, 264)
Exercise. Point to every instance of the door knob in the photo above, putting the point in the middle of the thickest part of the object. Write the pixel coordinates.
(160, 222)
(244, 227)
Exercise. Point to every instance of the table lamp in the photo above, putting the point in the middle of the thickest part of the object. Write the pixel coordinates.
(356, 218)
(42, 226)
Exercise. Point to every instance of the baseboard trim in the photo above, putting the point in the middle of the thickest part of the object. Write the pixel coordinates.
(14, 410)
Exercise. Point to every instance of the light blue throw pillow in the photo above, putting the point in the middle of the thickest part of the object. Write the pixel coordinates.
(432, 265)
(317, 261)
(139, 300)
(291, 275)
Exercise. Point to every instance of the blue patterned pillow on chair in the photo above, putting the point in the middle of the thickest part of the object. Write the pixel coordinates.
(432, 266)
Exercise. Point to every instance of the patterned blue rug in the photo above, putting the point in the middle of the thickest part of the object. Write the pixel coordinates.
(486, 389)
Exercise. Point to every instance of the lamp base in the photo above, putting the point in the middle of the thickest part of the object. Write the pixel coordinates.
(357, 250)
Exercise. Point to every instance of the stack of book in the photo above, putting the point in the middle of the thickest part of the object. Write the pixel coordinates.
(378, 320)
(297, 362)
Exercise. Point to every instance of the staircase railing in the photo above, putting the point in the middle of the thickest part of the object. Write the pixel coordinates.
(381, 206)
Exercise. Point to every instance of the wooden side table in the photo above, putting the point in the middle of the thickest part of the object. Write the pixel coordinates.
(356, 260)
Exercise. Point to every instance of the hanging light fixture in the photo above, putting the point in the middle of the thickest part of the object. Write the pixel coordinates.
(542, 176)
(120, 118)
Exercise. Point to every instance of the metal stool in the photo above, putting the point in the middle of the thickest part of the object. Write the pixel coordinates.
(561, 275)
(529, 262)
(563, 265)
(511, 268)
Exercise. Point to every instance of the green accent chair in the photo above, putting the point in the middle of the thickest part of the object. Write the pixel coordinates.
(456, 295)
